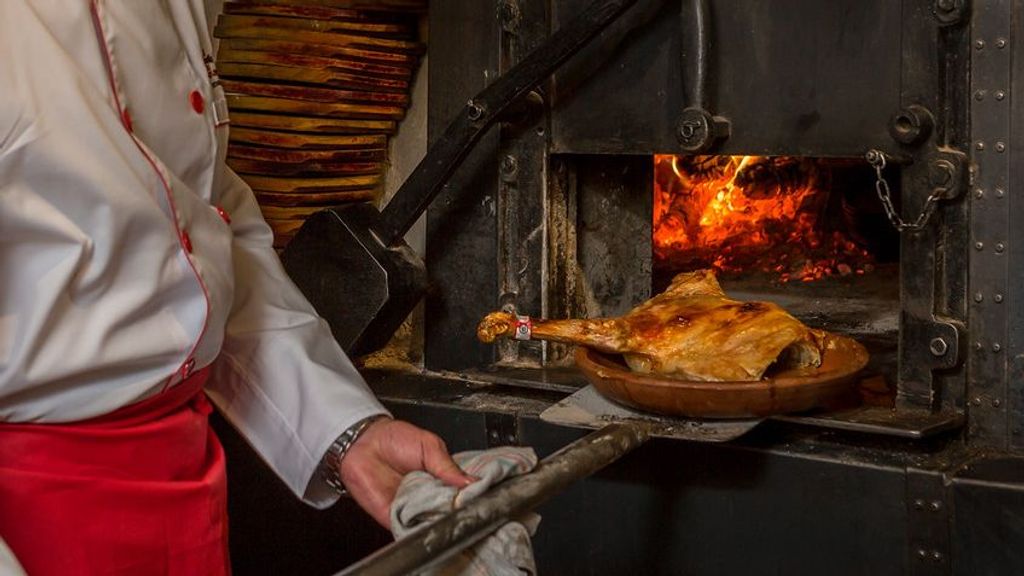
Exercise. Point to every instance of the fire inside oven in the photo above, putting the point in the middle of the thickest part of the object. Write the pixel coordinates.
(810, 234)
(790, 219)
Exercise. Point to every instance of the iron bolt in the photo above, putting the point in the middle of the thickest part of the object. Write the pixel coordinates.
(978, 297)
(1000, 43)
(979, 44)
(979, 245)
(937, 556)
(922, 553)
(1000, 193)
(979, 146)
(979, 193)
(935, 506)
(996, 347)
(509, 165)
(978, 346)
(941, 173)
(976, 401)
(979, 95)
(919, 504)
(996, 402)
(1000, 94)
(1000, 247)
(998, 298)
(938, 347)
(476, 111)
(1000, 146)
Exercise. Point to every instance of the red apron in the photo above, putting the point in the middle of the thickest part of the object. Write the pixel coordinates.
(139, 491)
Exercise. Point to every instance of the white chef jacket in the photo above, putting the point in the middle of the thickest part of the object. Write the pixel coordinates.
(130, 255)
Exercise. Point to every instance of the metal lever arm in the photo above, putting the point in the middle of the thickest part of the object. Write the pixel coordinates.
(445, 156)
(466, 526)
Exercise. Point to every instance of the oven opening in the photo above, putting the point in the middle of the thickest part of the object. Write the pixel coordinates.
(809, 234)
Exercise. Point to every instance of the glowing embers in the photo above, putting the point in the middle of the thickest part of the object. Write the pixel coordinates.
(752, 214)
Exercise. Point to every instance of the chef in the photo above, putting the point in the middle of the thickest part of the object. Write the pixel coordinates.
(137, 281)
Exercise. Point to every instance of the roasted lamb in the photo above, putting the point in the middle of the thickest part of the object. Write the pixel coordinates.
(691, 331)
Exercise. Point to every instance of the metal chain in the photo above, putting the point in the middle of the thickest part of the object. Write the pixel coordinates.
(876, 158)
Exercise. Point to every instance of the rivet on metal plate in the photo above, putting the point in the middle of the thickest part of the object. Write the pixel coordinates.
(935, 506)
(1000, 43)
(976, 401)
(978, 297)
(979, 245)
(996, 403)
(1000, 94)
(996, 347)
(979, 44)
(979, 95)
(978, 346)
(1000, 247)
(979, 146)
(979, 193)
(1000, 193)
(1000, 147)
(998, 298)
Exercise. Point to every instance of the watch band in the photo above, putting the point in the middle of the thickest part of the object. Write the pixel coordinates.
(330, 464)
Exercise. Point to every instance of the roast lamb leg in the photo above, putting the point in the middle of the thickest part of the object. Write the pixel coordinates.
(692, 331)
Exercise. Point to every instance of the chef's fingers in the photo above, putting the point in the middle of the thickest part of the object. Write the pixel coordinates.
(439, 463)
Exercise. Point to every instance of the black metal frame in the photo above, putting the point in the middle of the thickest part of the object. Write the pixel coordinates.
(908, 78)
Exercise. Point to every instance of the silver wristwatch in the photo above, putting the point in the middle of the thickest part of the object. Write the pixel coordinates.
(329, 464)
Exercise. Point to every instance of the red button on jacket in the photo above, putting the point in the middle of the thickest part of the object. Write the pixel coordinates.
(186, 242)
(197, 101)
(223, 214)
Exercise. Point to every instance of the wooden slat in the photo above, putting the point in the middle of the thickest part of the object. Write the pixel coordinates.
(330, 110)
(300, 140)
(247, 166)
(307, 157)
(311, 124)
(319, 185)
(314, 94)
(395, 31)
(315, 199)
(289, 46)
(228, 53)
(227, 28)
(374, 5)
(317, 12)
(346, 80)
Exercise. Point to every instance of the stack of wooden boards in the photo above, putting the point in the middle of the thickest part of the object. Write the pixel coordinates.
(314, 88)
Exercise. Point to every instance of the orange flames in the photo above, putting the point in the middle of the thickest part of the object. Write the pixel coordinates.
(746, 213)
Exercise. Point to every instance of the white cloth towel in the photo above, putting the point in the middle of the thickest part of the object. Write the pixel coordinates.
(422, 498)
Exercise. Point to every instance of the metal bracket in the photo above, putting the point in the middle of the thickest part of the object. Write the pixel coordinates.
(697, 129)
(928, 517)
(502, 429)
(947, 172)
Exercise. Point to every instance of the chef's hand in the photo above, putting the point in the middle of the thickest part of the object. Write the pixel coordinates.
(387, 450)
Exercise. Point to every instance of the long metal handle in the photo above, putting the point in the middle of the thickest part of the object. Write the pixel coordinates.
(696, 44)
(483, 110)
(466, 526)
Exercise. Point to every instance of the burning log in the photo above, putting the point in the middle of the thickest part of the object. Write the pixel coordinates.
(747, 213)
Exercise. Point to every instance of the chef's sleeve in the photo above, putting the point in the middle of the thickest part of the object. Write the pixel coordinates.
(281, 379)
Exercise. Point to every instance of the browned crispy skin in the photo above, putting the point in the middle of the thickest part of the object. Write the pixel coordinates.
(692, 330)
